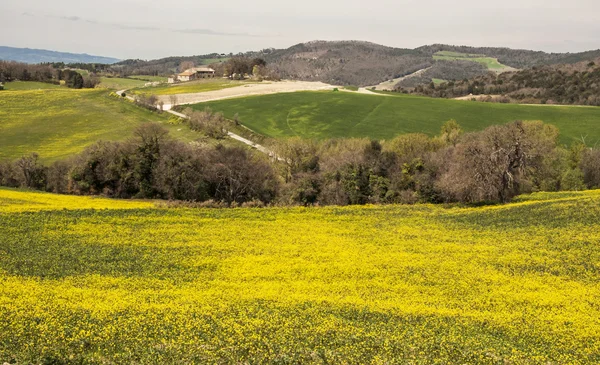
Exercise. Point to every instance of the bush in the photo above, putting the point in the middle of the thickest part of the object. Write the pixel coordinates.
(213, 124)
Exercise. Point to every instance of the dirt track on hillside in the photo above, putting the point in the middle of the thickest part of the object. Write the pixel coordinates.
(246, 90)
(391, 84)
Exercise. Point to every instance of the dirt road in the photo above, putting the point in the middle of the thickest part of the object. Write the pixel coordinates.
(391, 85)
(246, 90)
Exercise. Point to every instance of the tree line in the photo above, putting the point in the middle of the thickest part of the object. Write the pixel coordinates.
(46, 73)
(577, 84)
(492, 165)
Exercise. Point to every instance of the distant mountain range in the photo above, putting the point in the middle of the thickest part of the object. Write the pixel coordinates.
(28, 55)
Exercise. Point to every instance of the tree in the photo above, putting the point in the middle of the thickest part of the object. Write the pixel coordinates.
(186, 65)
(31, 173)
(173, 99)
(494, 165)
(148, 142)
(590, 166)
(451, 132)
(237, 176)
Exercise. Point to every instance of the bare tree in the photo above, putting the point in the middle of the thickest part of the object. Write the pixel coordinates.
(186, 65)
(173, 99)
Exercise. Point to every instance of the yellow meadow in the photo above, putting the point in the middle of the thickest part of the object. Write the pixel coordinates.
(92, 280)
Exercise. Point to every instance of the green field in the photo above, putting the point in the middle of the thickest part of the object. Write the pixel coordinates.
(59, 123)
(118, 83)
(208, 61)
(149, 78)
(88, 280)
(28, 85)
(197, 86)
(438, 81)
(489, 62)
(330, 114)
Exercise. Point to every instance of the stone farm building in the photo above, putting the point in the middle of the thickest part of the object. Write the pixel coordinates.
(193, 74)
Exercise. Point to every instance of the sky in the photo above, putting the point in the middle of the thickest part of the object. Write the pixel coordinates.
(149, 29)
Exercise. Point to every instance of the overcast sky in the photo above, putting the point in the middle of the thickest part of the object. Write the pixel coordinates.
(152, 29)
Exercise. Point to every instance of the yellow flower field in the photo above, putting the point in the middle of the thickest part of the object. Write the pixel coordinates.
(89, 280)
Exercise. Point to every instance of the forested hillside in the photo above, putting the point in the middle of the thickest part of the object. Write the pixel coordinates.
(559, 84)
(346, 63)
(363, 63)
(517, 58)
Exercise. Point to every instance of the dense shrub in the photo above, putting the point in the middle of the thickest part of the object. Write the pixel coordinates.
(492, 165)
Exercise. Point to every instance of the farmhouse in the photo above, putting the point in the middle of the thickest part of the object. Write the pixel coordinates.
(193, 74)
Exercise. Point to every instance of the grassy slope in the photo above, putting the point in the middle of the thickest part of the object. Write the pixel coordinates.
(118, 83)
(342, 114)
(28, 85)
(191, 87)
(490, 63)
(149, 78)
(131, 82)
(58, 123)
(394, 284)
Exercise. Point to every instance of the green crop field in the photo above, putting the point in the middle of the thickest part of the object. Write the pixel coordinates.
(58, 123)
(342, 114)
(28, 85)
(197, 86)
(89, 280)
(489, 62)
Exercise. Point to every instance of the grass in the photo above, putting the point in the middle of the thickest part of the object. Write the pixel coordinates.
(59, 123)
(89, 280)
(328, 115)
(192, 87)
(118, 83)
(489, 62)
(208, 61)
(28, 85)
(149, 78)
(439, 81)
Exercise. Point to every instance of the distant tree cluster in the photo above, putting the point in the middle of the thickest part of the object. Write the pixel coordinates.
(566, 84)
(12, 71)
(492, 165)
(90, 67)
(241, 65)
(15, 71)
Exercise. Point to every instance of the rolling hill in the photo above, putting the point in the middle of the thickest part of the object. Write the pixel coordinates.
(343, 114)
(28, 55)
(58, 123)
(570, 84)
(346, 62)
(364, 63)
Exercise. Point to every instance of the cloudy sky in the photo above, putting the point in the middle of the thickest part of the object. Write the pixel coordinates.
(151, 29)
